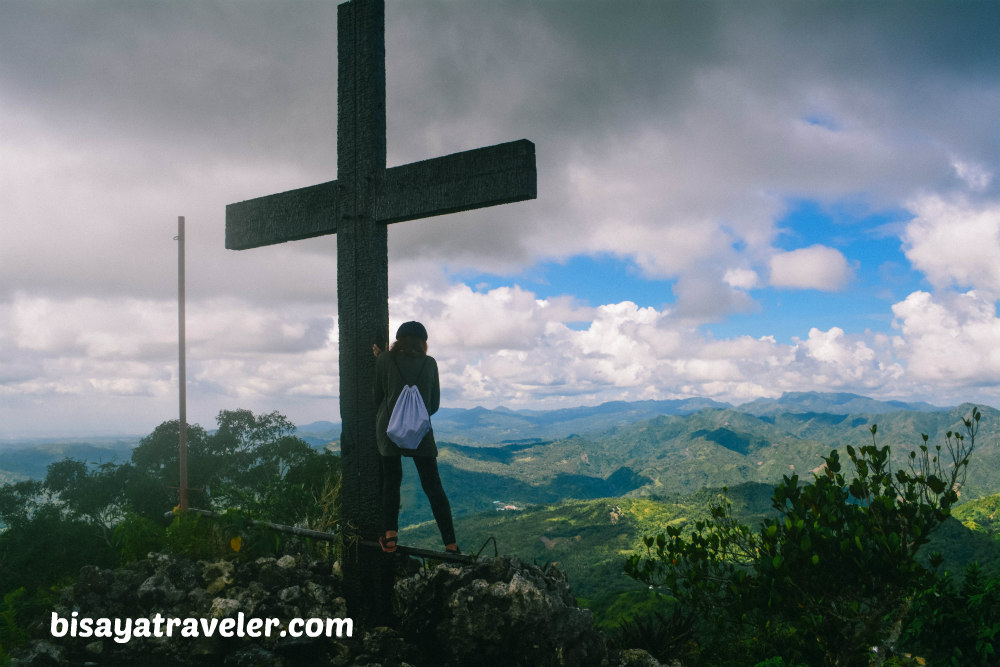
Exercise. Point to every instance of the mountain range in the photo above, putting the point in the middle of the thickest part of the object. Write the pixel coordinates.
(646, 448)
(582, 486)
(501, 457)
(499, 426)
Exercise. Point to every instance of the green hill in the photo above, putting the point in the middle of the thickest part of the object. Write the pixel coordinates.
(590, 539)
(30, 460)
(981, 516)
(971, 535)
(673, 454)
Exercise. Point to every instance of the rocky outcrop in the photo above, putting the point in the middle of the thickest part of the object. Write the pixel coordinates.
(498, 611)
(285, 588)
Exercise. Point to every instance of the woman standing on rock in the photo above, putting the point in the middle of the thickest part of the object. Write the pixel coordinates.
(407, 363)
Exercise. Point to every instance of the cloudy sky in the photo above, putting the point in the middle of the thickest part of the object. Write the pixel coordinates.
(735, 200)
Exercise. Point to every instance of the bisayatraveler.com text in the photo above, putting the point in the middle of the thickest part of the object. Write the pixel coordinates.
(124, 630)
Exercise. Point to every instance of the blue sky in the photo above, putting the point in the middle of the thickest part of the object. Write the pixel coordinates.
(734, 201)
(881, 275)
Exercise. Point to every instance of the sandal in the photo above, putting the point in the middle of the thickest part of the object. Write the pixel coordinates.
(388, 544)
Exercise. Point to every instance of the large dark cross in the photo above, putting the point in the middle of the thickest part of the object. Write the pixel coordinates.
(357, 207)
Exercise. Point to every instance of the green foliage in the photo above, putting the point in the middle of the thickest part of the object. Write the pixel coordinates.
(588, 539)
(19, 608)
(981, 515)
(229, 535)
(20, 501)
(826, 580)
(282, 484)
(209, 538)
(195, 536)
(956, 624)
(629, 606)
(156, 464)
(96, 495)
(659, 633)
(12, 634)
(40, 548)
(136, 536)
(49, 547)
(111, 513)
(103, 514)
(777, 661)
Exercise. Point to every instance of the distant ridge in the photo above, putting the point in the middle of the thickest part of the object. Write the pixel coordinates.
(831, 403)
(505, 425)
(31, 460)
(318, 434)
(682, 406)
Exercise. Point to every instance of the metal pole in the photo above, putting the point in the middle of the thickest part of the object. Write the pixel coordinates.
(182, 424)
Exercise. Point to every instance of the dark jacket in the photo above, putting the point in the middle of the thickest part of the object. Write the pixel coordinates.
(389, 385)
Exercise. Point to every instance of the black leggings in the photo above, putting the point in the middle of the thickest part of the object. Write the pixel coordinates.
(430, 480)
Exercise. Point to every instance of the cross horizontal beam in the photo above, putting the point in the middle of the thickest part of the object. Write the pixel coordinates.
(463, 181)
(477, 178)
(286, 216)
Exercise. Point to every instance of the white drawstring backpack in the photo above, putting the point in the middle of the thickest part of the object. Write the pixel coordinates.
(409, 422)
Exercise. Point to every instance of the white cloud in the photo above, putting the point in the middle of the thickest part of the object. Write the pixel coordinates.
(744, 279)
(975, 176)
(843, 361)
(506, 318)
(625, 352)
(949, 340)
(94, 328)
(121, 355)
(117, 118)
(816, 267)
(955, 242)
(498, 347)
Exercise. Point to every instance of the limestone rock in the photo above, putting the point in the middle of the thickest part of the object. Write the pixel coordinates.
(176, 587)
(497, 612)
(42, 653)
(636, 657)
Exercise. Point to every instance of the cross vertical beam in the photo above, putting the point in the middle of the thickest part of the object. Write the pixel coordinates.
(362, 274)
(357, 207)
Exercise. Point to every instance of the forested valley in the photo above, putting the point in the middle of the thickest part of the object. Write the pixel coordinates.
(712, 536)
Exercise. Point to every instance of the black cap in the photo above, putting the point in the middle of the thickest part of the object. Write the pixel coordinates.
(412, 330)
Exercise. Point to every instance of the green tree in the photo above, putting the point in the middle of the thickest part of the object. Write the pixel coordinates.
(285, 483)
(957, 624)
(20, 501)
(831, 577)
(152, 488)
(237, 444)
(101, 515)
(49, 548)
(94, 495)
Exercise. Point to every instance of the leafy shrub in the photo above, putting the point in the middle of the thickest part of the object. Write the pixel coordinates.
(956, 624)
(136, 536)
(228, 535)
(664, 635)
(826, 580)
(195, 536)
